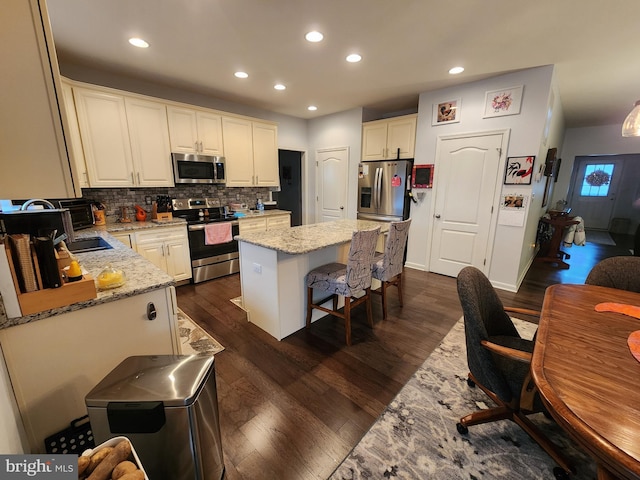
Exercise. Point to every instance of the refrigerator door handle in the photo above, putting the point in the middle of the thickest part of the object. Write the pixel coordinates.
(378, 189)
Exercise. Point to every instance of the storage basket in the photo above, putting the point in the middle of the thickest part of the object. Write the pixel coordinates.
(74, 439)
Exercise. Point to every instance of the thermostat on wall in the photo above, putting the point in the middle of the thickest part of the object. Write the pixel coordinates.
(422, 176)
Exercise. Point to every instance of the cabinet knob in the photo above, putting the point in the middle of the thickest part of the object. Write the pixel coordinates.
(151, 311)
(437, 215)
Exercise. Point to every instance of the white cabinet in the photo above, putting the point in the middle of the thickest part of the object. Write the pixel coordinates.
(381, 139)
(33, 153)
(102, 118)
(251, 152)
(128, 239)
(149, 135)
(54, 362)
(167, 248)
(278, 221)
(74, 143)
(195, 131)
(264, 223)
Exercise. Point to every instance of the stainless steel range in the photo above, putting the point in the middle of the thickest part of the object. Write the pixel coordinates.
(212, 255)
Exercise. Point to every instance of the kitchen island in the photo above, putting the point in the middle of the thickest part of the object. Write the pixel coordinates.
(273, 265)
(55, 357)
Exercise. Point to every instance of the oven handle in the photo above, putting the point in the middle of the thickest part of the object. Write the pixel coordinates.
(193, 228)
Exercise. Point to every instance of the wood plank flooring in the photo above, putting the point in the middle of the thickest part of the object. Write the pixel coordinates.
(294, 409)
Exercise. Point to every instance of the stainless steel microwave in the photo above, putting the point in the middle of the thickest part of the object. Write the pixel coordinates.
(190, 168)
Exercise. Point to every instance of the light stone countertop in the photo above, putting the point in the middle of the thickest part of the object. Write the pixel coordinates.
(307, 238)
(142, 275)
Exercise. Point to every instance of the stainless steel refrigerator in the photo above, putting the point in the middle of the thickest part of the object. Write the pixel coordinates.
(383, 190)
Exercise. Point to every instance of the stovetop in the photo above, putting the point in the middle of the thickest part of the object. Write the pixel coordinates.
(200, 210)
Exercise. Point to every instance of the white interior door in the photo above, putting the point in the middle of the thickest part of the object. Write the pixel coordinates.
(467, 185)
(332, 172)
(594, 190)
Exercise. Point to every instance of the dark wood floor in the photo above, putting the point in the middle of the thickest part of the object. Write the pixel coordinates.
(294, 409)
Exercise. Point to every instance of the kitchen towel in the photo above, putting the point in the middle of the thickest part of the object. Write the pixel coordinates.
(215, 233)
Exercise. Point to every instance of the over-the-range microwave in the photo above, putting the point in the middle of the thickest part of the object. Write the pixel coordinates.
(190, 168)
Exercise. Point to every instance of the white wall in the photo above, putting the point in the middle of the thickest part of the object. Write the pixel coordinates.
(342, 129)
(13, 437)
(526, 138)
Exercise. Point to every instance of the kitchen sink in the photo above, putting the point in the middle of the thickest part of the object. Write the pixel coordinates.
(90, 244)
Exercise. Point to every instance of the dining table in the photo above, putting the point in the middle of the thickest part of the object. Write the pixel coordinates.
(587, 375)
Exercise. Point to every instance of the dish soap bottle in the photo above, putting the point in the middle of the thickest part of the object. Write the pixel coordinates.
(259, 205)
(75, 272)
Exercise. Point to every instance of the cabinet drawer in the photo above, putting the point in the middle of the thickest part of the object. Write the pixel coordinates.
(251, 225)
(280, 221)
(161, 234)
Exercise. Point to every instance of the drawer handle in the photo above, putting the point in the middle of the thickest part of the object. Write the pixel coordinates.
(151, 311)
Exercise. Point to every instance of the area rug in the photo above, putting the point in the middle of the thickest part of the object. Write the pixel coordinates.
(597, 236)
(416, 436)
(193, 339)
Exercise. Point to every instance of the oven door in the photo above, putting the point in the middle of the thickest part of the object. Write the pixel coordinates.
(212, 261)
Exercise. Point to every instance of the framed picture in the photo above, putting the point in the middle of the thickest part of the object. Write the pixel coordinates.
(505, 101)
(422, 176)
(519, 170)
(446, 112)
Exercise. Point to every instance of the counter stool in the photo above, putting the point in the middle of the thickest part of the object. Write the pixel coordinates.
(387, 266)
(345, 280)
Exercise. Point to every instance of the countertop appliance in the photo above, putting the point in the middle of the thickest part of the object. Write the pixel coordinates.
(190, 168)
(208, 261)
(167, 406)
(54, 223)
(383, 190)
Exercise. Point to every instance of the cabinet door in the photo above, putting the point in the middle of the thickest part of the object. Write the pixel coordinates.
(252, 225)
(124, 238)
(279, 221)
(238, 147)
(154, 252)
(210, 133)
(183, 130)
(401, 133)
(74, 143)
(102, 120)
(177, 257)
(374, 141)
(149, 143)
(265, 155)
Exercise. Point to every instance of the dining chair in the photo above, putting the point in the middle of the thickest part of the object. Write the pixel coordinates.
(499, 362)
(388, 266)
(621, 272)
(346, 280)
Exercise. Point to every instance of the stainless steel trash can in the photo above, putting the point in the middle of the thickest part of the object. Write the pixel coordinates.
(167, 406)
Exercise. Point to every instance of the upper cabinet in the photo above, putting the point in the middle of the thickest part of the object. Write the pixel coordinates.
(195, 131)
(381, 139)
(125, 140)
(251, 152)
(74, 143)
(33, 151)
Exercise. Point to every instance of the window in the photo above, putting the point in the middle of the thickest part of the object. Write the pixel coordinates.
(597, 179)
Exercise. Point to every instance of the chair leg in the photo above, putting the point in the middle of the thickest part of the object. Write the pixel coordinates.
(399, 285)
(309, 305)
(347, 319)
(383, 290)
(367, 294)
(335, 303)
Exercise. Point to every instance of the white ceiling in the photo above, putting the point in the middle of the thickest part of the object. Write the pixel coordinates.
(407, 47)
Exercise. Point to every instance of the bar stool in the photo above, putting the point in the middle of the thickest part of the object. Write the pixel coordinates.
(345, 280)
(387, 266)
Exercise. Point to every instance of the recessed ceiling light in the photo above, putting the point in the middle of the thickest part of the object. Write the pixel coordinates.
(456, 70)
(138, 42)
(314, 36)
(241, 74)
(279, 86)
(312, 108)
(354, 58)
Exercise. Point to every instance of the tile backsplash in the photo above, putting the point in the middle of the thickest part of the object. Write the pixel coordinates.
(115, 198)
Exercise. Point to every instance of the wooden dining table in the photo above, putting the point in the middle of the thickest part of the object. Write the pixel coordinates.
(587, 376)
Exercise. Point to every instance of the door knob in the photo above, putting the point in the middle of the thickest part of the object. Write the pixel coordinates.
(151, 311)
(437, 215)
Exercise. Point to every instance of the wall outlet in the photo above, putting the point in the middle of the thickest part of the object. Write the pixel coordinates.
(257, 268)
(147, 200)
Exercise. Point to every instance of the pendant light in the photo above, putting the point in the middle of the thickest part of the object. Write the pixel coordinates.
(631, 125)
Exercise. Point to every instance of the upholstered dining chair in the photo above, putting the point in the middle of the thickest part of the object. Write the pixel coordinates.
(388, 266)
(499, 360)
(621, 272)
(345, 280)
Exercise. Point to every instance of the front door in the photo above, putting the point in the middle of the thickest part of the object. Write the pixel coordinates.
(594, 190)
(468, 181)
(332, 172)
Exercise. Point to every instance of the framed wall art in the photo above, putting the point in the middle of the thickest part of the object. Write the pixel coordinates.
(446, 112)
(519, 170)
(506, 101)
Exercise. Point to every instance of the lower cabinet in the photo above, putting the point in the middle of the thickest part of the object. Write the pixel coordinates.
(168, 249)
(264, 223)
(54, 362)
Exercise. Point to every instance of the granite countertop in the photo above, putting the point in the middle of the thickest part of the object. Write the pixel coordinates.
(307, 238)
(142, 275)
